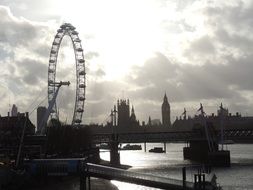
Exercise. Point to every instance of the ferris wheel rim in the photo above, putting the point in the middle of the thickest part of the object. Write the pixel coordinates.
(69, 30)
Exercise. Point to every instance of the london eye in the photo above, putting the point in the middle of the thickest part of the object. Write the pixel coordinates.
(67, 29)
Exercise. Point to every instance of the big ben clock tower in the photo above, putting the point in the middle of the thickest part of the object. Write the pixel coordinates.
(166, 112)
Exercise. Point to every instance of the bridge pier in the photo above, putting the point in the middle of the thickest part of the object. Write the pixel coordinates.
(198, 150)
(114, 151)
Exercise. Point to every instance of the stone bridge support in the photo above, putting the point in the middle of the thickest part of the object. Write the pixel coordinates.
(114, 150)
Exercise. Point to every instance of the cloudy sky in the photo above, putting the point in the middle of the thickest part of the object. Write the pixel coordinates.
(195, 51)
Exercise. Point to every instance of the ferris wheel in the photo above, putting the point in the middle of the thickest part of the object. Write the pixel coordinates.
(69, 30)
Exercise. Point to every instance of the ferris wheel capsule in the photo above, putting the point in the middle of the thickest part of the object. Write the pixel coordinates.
(55, 43)
(81, 98)
(80, 110)
(82, 85)
(77, 40)
(81, 60)
(75, 32)
(53, 52)
(50, 70)
(79, 49)
(60, 30)
(72, 28)
(82, 73)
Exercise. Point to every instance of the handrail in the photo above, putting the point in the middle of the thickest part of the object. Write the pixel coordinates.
(120, 173)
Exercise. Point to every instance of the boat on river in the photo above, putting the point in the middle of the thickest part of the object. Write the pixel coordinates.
(131, 147)
(157, 150)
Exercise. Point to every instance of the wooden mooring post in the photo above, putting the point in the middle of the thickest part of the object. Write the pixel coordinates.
(184, 177)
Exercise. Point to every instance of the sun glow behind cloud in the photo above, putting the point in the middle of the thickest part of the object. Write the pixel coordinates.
(126, 33)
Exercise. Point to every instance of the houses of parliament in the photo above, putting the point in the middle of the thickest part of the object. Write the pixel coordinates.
(123, 118)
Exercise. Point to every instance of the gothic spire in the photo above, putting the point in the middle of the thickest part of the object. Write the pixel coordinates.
(165, 99)
(132, 111)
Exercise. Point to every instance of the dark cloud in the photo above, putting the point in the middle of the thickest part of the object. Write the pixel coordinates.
(15, 32)
(238, 16)
(32, 71)
(202, 46)
(241, 42)
(156, 71)
(42, 50)
(237, 72)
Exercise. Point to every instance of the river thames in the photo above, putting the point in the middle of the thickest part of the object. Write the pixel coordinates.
(238, 177)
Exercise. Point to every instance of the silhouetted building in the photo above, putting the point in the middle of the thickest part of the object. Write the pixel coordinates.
(149, 121)
(123, 113)
(16, 123)
(228, 120)
(166, 112)
(40, 115)
(155, 122)
(11, 129)
(222, 110)
(132, 119)
(14, 110)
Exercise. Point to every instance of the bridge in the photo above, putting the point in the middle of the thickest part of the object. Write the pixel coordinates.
(109, 173)
(236, 135)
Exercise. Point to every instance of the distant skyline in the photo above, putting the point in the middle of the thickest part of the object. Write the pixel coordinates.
(195, 51)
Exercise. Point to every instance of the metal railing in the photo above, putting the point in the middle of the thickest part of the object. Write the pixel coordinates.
(106, 172)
